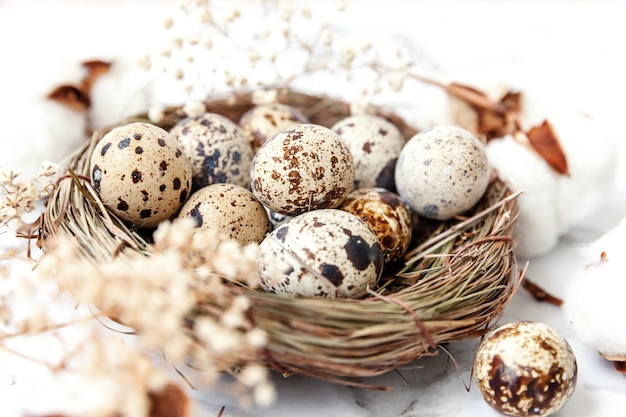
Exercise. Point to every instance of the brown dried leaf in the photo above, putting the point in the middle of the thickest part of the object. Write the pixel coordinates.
(545, 141)
(495, 119)
(171, 401)
(72, 96)
(95, 69)
(78, 96)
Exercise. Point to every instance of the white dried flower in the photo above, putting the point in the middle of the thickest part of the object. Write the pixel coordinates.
(326, 37)
(347, 56)
(156, 114)
(264, 96)
(396, 80)
(194, 108)
(361, 106)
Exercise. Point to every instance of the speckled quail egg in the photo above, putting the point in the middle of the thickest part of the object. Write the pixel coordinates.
(229, 209)
(387, 215)
(442, 172)
(263, 121)
(219, 150)
(525, 368)
(325, 253)
(303, 168)
(375, 144)
(276, 219)
(140, 173)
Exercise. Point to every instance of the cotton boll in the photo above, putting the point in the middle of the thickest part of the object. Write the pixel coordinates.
(523, 169)
(592, 157)
(121, 92)
(593, 300)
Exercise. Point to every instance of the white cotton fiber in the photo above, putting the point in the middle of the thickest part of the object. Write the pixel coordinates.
(553, 203)
(537, 228)
(594, 297)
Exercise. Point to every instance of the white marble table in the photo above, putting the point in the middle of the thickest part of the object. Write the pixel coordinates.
(497, 36)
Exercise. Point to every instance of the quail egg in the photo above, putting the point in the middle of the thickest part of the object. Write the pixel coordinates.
(525, 368)
(219, 150)
(303, 168)
(263, 121)
(388, 217)
(325, 253)
(140, 173)
(375, 144)
(229, 209)
(442, 172)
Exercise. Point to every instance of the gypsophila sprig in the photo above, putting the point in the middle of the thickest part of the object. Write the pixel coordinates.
(218, 47)
(154, 295)
(19, 197)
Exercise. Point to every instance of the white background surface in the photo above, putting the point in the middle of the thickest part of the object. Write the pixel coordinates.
(566, 54)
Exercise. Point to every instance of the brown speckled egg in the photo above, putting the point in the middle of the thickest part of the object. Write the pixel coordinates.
(387, 215)
(323, 253)
(375, 144)
(303, 168)
(219, 150)
(442, 172)
(263, 121)
(230, 210)
(140, 173)
(525, 368)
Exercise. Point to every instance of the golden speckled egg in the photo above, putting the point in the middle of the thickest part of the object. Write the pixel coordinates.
(140, 173)
(375, 144)
(230, 210)
(325, 253)
(525, 368)
(263, 121)
(219, 150)
(303, 168)
(442, 172)
(387, 215)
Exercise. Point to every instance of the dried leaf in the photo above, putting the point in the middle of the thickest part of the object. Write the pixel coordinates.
(78, 96)
(545, 141)
(171, 401)
(95, 69)
(72, 96)
(494, 119)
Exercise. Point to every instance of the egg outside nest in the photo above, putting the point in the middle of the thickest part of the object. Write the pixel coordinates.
(525, 368)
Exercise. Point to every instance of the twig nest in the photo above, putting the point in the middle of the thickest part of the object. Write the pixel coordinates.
(263, 121)
(140, 173)
(375, 144)
(218, 148)
(524, 369)
(388, 217)
(303, 168)
(323, 253)
(442, 172)
(229, 209)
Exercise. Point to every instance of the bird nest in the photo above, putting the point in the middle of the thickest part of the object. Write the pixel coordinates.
(457, 277)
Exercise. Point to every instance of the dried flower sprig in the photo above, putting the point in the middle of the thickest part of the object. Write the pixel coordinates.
(19, 197)
(155, 294)
(215, 49)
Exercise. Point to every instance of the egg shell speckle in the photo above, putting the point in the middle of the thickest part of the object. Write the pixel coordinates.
(375, 144)
(219, 149)
(442, 172)
(303, 168)
(388, 217)
(263, 121)
(140, 173)
(525, 368)
(325, 253)
(230, 210)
